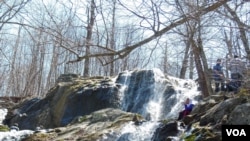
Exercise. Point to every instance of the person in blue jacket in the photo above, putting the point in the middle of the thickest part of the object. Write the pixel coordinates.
(218, 76)
(188, 107)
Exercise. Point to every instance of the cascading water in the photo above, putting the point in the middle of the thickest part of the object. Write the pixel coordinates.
(147, 92)
(12, 135)
(3, 113)
(184, 89)
(153, 96)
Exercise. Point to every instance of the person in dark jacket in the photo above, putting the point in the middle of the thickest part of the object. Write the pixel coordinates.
(218, 76)
(237, 68)
(188, 107)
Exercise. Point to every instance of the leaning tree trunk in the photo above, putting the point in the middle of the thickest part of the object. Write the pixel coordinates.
(206, 72)
(202, 79)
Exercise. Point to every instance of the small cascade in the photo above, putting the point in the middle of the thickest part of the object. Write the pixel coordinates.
(125, 78)
(150, 93)
(154, 106)
(3, 113)
(185, 88)
(12, 135)
(143, 132)
(142, 91)
(15, 135)
(154, 96)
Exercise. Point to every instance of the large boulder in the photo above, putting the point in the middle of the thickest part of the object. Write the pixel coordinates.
(217, 112)
(103, 125)
(72, 96)
(240, 115)
(166, 130)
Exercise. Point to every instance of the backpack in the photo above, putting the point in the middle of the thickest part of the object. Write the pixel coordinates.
(232, 86)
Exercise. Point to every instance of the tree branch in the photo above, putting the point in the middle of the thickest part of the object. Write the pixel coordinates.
(125, 51)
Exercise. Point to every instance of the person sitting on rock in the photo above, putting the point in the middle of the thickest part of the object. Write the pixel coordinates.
(188, 107)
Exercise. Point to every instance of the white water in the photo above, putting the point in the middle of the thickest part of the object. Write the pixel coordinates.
(124, 86)
(184, 88)
(3, 113)
(154, 107)
(131, 132)
(15, 135)
(12, 135)
(144, 132)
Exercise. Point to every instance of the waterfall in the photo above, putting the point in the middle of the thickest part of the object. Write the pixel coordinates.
(152, 94)
(185, 88)
(3, 113)
(12, 135)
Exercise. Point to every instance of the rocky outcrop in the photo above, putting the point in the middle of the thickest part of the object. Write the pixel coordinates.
(165, 131)
(79, 108)
(201, 124)
(95, 126)
(71, 97)
(217, 112)
(210, 114)
(204, 122)
(240, 115)
(74, 96)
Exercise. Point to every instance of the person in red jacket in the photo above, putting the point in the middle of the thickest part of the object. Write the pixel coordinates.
(188, 107)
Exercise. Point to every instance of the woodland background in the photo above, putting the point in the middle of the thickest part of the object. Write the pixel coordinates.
(42, 39)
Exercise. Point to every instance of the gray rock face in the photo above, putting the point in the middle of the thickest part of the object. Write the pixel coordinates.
(217, 112)
(166, 130)
(88, 101)
(75, 96)
(102, 125)
(67, 100)
(240, 115)
(94, 109)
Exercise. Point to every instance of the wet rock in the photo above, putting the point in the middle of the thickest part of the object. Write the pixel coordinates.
(166, 130)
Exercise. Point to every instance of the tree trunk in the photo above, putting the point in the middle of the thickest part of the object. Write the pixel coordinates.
(191, 68)
(206, 71)
(89, 37)
(201, 74)
(242, 30)
(185, 61)
(229, 43)
(112, 42)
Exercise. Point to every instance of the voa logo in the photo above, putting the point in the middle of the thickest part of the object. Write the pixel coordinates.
(236, 132)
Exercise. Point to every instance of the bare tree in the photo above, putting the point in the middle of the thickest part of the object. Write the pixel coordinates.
(12, 85)
(91, 20)
(9, 9)
(70, 39)
(112, 36)
(242, 29)
(119, 54)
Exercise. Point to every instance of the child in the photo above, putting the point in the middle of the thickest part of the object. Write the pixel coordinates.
(188, 107)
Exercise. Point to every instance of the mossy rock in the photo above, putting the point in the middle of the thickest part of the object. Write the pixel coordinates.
(41, 137)
(202, 134)
(244, 93)
(4, 128)
(190, 137)
(166, 121)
